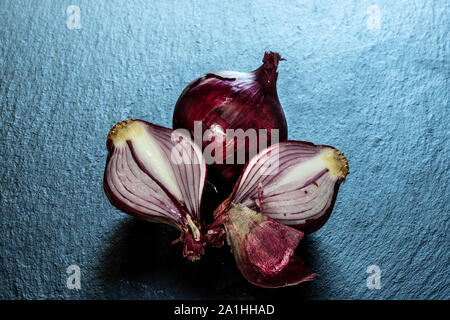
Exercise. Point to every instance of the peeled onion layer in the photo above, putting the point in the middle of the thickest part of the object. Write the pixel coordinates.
(157, 174)
(264, 249)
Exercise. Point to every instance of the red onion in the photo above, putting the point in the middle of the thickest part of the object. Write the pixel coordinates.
(157, 174)
(292, 184)
(233, 100)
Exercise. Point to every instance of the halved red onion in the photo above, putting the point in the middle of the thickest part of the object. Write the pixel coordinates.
(157, 174)
(293, 182)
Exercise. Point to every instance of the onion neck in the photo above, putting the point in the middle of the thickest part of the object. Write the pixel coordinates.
(267, 73)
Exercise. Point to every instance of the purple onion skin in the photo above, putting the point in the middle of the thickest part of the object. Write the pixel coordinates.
(264, 249)
(233, 100)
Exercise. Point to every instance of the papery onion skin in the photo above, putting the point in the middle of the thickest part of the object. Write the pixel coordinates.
(326, 170)
(264, 249)
(168, 192)
(233, 100)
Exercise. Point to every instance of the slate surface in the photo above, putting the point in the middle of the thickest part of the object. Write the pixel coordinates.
(378, 94)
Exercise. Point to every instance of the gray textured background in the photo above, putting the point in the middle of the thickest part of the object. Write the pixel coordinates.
(379, 95)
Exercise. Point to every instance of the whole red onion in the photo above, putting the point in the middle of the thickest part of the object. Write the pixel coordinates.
(233, 100)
